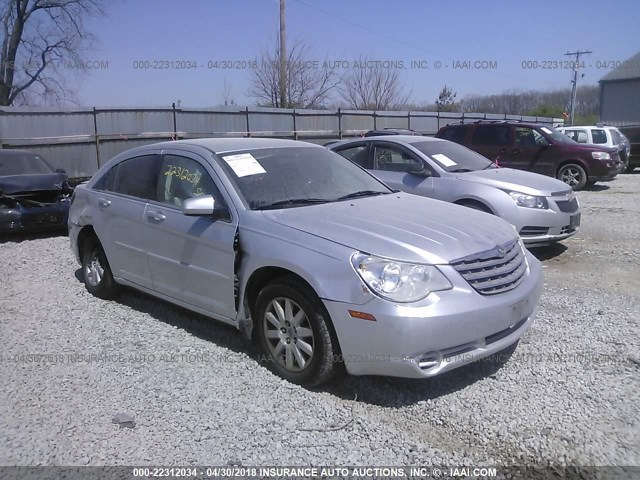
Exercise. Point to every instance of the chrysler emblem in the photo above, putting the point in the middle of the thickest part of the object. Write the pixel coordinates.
(501, 252)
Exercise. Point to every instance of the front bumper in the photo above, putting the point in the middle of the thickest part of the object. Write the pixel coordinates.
(608, 175)
(539, 227)
(444, 331)
(34, 219)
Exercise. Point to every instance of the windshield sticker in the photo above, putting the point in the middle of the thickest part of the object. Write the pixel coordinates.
(546, 130)
(244, 164)
(443, 160)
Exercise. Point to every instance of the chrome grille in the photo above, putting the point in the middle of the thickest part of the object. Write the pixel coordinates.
(495, 271)
(568, 206)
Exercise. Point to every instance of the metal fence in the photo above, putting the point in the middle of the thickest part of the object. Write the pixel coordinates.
(80, 140)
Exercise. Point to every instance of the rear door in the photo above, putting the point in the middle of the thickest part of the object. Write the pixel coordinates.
(531, 151)
(120, 202)
(191, 258)
(492, 141)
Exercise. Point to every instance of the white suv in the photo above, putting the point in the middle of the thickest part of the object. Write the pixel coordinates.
(607, 136)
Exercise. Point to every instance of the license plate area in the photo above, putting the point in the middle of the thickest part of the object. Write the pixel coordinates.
(574, 220)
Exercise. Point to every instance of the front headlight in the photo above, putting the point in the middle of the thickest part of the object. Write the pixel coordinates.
(399, 281)
(530, 201)
(601, 155)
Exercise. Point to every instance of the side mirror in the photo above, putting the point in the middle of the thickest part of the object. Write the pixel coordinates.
(419, 169)
(199, 206)
(61, 170)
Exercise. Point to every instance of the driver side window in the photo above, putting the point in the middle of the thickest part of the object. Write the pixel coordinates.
(393, 159)
(182, 178)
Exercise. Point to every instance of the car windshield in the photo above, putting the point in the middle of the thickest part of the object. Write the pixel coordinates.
(297, 176)
(452, 157)
(22, 163)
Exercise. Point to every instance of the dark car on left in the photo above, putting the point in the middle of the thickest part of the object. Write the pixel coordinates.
(33, 195)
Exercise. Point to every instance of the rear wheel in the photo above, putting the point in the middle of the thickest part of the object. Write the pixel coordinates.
(573, 175)
(96, 271)
(294, 333)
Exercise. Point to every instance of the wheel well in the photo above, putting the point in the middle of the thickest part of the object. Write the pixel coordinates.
(577, 162)
(86, 233)
(465, 202)
(263, 276)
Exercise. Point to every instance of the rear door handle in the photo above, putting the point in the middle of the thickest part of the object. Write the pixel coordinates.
(157, 216)
(103, 202)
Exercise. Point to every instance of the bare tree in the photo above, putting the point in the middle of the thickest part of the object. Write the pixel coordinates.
(372, 85)
(309, 82)
(40, 40)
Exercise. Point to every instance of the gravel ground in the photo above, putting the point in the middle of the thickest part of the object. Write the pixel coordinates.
(568, 394)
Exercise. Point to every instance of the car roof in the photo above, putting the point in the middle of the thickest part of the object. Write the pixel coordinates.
(13, 152)
(588, 126)
(390, 138)
(497, 122)
(230, 144)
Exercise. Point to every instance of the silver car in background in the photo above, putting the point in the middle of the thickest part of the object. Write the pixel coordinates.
(313, 257)
(543, 210)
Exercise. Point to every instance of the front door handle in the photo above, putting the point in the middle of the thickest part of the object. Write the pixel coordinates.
(157, 216)
(104, 203)
(515, 151)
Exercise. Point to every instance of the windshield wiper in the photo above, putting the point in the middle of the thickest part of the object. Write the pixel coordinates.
(460, 170)
(491, 165)
(292, 202)
(362, 193)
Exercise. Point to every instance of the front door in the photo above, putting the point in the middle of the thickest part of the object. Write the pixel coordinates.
(391, 163)
(191, 258)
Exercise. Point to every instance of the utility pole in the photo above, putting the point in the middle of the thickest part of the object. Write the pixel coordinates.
(283, 57)
(574, 89)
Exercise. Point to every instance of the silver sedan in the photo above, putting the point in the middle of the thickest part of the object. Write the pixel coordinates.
(543, 210)
(317, 260)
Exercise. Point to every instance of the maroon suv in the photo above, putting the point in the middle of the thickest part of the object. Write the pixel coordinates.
(539, 149)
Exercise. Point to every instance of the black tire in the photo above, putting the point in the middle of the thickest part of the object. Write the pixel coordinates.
(625, 161)
(324, 361)
(476, 206)
(573, 175)
(95, 261)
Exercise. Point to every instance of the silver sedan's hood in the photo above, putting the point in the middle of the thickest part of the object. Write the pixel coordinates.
(401, 226)
(516, 180)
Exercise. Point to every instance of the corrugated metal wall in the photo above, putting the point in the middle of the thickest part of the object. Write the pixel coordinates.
(620, 102)
(80, 140)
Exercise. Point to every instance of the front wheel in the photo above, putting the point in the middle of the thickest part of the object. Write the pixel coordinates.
(96, 271)
(573, 175)
(295, 336)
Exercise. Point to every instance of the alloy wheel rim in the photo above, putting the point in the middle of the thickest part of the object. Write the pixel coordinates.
(94, 270)
(288, 333)
(570, 176)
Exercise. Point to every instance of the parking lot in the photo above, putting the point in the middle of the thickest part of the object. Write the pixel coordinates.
(567, 395)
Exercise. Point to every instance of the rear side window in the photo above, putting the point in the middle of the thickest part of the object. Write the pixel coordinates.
(491, 135)
(454, 134)
(357, 155)
(137, 177)
(617, 139)
(599, 136)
